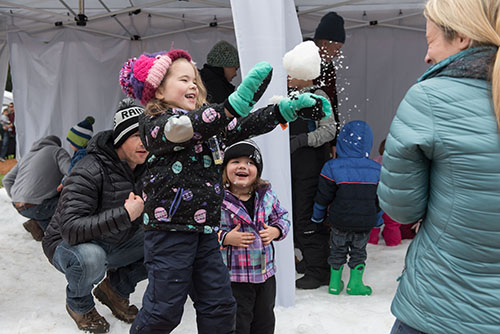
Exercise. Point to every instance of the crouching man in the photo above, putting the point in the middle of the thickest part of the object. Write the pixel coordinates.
(96, 229)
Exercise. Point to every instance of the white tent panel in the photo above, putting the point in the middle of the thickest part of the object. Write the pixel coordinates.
(255, 44)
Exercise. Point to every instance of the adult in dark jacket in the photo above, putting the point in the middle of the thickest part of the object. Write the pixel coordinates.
(96, 226)
(310, 149)
(220, 69)
(32, 183)
(329, 36)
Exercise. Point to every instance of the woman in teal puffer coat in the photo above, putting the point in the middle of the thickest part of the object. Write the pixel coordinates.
(442, 164)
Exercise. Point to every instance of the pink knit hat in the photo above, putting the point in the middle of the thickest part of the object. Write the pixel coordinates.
(141, 77)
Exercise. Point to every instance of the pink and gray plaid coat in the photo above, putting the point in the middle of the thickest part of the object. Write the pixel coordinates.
(254, 264)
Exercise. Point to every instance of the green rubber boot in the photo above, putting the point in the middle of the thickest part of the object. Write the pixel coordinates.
(355, 285)
(336, 283)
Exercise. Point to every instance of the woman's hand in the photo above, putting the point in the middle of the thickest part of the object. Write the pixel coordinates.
(237, 238)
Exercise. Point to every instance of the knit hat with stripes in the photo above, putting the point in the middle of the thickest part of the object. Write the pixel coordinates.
(80, 134)
(126, 121)
(141, 77)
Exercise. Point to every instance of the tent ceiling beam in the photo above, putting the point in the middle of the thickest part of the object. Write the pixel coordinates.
(68, 7)
(219, 24)
(96, 31)
(401, 27)
(179, 31)
(399, 17)
(36, 10)
(131, 9)
(27, 17)
(116, 19)
(211, 3)
(317, 9)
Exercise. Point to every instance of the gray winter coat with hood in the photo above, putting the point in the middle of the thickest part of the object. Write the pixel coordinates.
(35, 178)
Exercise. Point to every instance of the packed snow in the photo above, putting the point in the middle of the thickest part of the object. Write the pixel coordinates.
(33, 292)
(303, 61)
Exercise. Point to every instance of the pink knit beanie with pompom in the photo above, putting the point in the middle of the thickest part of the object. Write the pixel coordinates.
(141, 77)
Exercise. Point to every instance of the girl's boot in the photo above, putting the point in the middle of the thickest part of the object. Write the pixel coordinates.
(355, 285)
(336, 283)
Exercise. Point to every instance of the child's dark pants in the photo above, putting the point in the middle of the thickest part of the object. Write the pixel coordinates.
(255, 307)
(179, 263)
(343, 243)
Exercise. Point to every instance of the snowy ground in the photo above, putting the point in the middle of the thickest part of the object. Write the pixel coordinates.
(33, 293)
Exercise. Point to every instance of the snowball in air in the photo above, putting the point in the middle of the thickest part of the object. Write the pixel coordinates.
(303, 61)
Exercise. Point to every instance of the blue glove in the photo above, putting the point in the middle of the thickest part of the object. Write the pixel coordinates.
(307, 106)
(250, 90)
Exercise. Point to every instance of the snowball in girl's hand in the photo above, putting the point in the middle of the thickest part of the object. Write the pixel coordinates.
(275, 99)
(303, 61)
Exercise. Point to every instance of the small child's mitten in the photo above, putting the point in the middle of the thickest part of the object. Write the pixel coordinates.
(307, 106)
(250, 90)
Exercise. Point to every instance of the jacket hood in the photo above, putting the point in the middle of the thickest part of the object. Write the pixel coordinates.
(46, 141)
(102, 143)
(355, 140)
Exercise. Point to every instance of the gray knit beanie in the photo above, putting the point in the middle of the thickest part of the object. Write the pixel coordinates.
(223, 54)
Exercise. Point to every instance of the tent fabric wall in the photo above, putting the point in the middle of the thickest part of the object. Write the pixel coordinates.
(379, 64)
(256, 43)
(62, 76)
(378, 68)
(4, 64)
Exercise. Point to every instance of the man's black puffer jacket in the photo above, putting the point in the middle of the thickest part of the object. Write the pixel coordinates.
(91, 206)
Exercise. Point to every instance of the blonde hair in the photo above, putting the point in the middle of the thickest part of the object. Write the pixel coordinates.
(478, 20)
(156, 106)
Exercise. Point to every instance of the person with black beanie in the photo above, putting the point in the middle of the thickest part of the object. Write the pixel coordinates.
(310, 146)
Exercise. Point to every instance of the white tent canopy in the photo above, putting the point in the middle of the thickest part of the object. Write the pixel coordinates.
(65, 56)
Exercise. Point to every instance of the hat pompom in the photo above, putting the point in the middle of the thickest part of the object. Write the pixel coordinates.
(126, 75)
(90, 119)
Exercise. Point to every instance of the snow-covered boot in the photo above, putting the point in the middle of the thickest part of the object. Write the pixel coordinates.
(336, 283)
(355, 285)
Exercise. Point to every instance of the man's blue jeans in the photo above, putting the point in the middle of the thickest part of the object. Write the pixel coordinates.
(85, 265)
(5, 144)
(43, 212)
(401, 328)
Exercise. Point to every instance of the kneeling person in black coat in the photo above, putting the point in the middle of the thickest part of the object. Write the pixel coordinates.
(97, 224)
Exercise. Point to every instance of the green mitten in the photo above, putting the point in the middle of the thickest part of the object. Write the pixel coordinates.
(250, 90)
(307, 106)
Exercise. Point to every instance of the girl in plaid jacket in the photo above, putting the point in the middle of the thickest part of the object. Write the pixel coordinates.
(252, 218)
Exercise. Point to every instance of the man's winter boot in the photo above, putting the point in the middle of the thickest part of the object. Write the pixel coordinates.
(300, 267)
(336, 283)
(34, 228)
(308, 282)
(120, 307)
(355, 285)
(91, 321)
